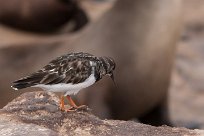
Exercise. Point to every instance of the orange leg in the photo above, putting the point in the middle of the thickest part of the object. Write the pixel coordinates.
(72, 103)
(62, 107)
(62, 103)
(74, 107)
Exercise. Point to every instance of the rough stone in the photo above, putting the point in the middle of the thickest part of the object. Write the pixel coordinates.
(37, 113)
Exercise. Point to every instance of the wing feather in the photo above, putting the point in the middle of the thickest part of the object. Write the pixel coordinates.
(71, 68)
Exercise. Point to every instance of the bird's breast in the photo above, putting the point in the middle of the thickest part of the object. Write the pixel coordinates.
(63, 87)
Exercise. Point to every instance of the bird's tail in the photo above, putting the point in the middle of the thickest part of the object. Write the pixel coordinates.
(18, 86)
(27, 81)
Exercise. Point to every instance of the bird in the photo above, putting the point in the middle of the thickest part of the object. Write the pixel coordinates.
(69, 74)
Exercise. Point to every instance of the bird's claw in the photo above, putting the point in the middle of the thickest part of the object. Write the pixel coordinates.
(78, 108)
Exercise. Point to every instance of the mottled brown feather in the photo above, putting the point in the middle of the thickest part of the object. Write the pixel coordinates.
(70, 68)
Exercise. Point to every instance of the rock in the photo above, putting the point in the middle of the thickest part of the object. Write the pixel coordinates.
(37, 113)
(8, 128)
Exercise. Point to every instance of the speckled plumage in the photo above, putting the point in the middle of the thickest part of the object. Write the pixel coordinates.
(70, 69)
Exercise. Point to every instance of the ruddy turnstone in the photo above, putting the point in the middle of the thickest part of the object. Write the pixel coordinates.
(68, 74)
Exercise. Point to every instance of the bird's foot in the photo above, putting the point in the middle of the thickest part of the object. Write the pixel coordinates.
(78, 108)
(71, 109)
(82, 107)
(67, 110)
(61, 107)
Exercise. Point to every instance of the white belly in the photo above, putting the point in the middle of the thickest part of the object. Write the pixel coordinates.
(68, 88)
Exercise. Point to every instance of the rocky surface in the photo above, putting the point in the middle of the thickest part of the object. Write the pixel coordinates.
(37, 113)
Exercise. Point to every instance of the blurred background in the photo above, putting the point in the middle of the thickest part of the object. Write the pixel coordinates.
(158, 46)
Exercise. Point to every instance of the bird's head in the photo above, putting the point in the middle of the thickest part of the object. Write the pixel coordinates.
(108, 66)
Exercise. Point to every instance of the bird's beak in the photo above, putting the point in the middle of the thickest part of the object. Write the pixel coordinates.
(112, 77)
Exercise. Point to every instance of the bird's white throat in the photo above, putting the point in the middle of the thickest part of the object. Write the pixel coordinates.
(70, 88)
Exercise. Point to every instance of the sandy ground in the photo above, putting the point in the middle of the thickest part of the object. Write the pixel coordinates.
(187, 85)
